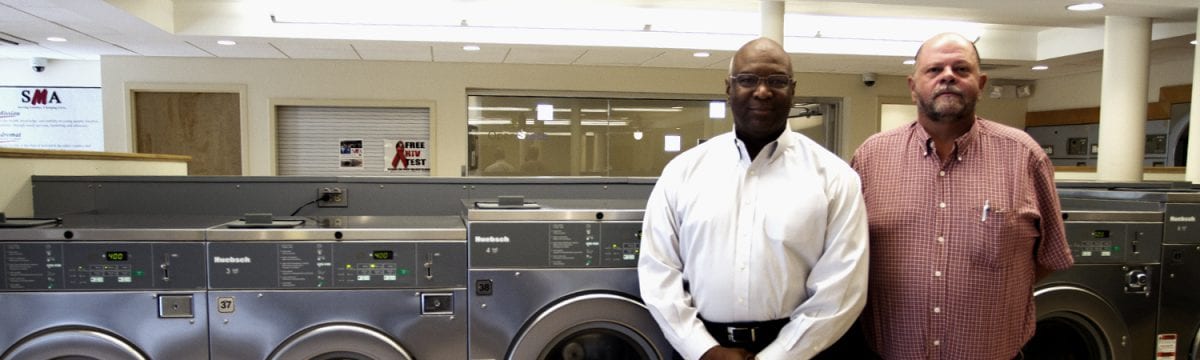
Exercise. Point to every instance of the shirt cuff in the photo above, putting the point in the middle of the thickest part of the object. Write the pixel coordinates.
(696, 346)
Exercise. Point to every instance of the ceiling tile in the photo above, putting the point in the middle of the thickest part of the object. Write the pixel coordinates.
(384, 50)
(455, 53)
(614, 56)
(543, 55)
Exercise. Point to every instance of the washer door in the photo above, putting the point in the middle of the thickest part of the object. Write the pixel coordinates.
(338, 342)
(73, 344)
(594, 326)
(1074, 323)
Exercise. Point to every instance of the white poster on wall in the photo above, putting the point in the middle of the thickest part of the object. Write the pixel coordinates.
(406, 156)
(51, 118)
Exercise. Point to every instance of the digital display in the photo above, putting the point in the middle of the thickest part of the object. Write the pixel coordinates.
(116, 256)
(1099, 234)
(381, 255)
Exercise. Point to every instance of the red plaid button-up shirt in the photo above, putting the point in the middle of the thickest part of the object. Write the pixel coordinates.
(955, 243)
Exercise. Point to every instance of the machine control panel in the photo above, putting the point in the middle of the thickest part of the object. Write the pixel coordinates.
(61, 266)
(346, 265)
(568, 244)
(1114, 242)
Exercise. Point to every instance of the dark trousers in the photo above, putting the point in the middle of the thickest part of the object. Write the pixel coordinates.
(852, 345)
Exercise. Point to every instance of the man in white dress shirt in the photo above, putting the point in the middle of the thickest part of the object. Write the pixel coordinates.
(755, 242)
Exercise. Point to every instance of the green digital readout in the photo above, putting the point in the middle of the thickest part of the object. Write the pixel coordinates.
(381, 255)
(116, 255)
(1099, 234)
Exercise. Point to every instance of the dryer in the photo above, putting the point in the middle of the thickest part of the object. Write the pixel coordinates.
(362, 287)
(557, 279)
(104, 287)
(1105, 306)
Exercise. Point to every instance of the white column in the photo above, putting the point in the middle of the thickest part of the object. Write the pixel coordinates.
(1123, 98)
(1193, 151)
(772, 20)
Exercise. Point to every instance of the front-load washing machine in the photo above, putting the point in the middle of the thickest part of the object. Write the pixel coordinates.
(557, 279)
(104, 287)
(1178, 325)
(1104, 306)
(362, 287)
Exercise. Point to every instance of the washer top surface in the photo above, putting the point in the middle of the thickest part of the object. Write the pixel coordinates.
(556, 210)
(115, 227)
(387, 228)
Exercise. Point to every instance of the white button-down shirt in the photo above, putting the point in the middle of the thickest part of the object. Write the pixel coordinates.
(782, 236)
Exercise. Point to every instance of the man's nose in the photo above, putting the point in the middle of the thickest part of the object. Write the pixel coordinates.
(762, 90)
(947, 76)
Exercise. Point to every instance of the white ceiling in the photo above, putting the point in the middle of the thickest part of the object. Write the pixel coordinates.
(1014, 34)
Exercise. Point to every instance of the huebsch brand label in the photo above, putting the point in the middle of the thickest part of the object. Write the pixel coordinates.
(492, 239)
(1182, 219)
(231, 260)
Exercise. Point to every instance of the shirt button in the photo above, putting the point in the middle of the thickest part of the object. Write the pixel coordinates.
(942, 205)
(937, 342)
(941, 239)
(942, 173)
(937, 273)
(960, 158)
(937, 310)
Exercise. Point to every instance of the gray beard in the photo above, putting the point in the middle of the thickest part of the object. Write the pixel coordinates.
(947, 112)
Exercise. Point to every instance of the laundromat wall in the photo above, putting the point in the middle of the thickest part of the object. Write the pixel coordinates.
(55, 196)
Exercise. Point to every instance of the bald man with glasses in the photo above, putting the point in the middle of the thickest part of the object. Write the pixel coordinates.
(755, 242)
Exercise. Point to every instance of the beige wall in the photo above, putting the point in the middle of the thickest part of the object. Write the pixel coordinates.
(445, 85)
(16, 189)
(18, 72)
(1083, 90)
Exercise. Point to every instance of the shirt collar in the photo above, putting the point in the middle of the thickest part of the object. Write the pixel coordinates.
(770, 150)
(962, 144)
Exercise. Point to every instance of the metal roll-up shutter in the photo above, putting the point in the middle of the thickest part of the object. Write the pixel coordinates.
(312, 141)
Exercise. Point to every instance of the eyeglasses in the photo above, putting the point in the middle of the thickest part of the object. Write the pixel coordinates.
(776, 81)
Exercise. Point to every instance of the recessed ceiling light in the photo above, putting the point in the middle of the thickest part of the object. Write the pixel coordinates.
(1085, 6)
(1039, 67)
(1193, 42)
(470, 47)
(910, 62)
(56, 39)
(226, 42)
(701, 54)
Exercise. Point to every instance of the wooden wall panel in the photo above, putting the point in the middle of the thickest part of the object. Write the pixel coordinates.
(205, 126)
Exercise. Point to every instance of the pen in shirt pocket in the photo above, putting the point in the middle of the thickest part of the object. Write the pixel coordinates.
(986, 207)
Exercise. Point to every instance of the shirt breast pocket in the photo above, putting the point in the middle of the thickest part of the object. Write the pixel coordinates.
(998, 237)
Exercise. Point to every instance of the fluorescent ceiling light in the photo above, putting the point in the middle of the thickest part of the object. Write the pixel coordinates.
(521, 135)
(489, 122)
(637, 135)
(716, 110)
(547, 122)
(226, 42)
(701, 54)
(646, 109)
(470, 47)
(56, 39)
(910, 62)
(497, 108)
(603, 123)
(1193, 42)
(1085, 6)
(1039, 67)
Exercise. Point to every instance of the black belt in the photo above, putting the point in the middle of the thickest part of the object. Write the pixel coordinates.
(752, 336)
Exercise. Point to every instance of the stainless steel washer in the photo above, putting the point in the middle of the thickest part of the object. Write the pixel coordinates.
(558, 280)
(339, 288)
(104, 287)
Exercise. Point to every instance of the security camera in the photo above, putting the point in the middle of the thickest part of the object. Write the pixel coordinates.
(38, 63)
(869, 79)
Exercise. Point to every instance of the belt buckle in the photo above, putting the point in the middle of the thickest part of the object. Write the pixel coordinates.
(741, 334)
